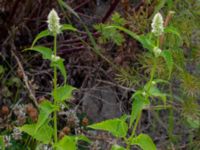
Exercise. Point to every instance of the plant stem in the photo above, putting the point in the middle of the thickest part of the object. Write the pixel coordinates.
(134, 129)
(152, 74)
(55, 87)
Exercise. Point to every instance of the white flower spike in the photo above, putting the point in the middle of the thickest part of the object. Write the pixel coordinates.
(54, 22)
(157, 25)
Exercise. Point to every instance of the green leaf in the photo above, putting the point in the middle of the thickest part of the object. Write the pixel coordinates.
(144, 142)
(117, 147)
(45, 51)
(2, 145)
(167, 55)
(83, 138)
(158, 7)
(146, 42)
(67, 7)
(41, 35)
(63, 93)
(66, 143)
(46, 108)
(170, 29)
(68, 27)
(60, 65)
(155, 92)
(130, 33)
(137, 106)
(43, 134)
(117, 19)
(193, 122)
(109, 33)
(118, 127)
(160, 81)
(170, 4)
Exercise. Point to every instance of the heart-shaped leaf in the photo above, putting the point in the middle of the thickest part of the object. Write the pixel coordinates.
(63, 93)
(43, 134)
(118, 127)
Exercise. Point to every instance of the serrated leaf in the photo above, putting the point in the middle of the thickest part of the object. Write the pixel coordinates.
(117, 147)
(132, 34)
(63, 93)
(68, 27)
(155, 92)
(167, 55)
(43, 134)
(60, 65)
(41, 35)
(170, 29)
(45, 51)
(118, 20)
(46, 108)
(110, 33)
(118, 127)
(137, 106)
(144, 141)
(66, 143)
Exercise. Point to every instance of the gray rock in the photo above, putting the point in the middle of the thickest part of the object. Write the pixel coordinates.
(100, 103)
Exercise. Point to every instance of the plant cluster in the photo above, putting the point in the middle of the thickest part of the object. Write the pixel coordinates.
(166, 83)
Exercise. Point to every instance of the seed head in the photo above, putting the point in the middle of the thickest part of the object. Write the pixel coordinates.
(17, 134)
(72, 119)
(54, 22)
(5, 110)
(157, 25)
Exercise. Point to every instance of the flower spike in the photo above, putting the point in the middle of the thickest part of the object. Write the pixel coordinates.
(157, 25)
(54, 22)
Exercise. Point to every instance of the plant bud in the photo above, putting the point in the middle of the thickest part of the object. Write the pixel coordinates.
(157, 51)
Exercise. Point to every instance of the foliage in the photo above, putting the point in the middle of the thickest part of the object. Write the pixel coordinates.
(163, 78)
(42, 131)
(111, 33)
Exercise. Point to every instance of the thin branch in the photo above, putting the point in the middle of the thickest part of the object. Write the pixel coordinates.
(25, 79)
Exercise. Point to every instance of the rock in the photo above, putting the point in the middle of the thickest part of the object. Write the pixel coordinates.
(100, 103)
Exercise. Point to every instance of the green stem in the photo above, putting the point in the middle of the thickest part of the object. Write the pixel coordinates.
(55, 87)
(134, 129)
(152, 74)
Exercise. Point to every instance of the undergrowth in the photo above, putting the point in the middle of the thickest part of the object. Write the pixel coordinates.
(163, 79)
